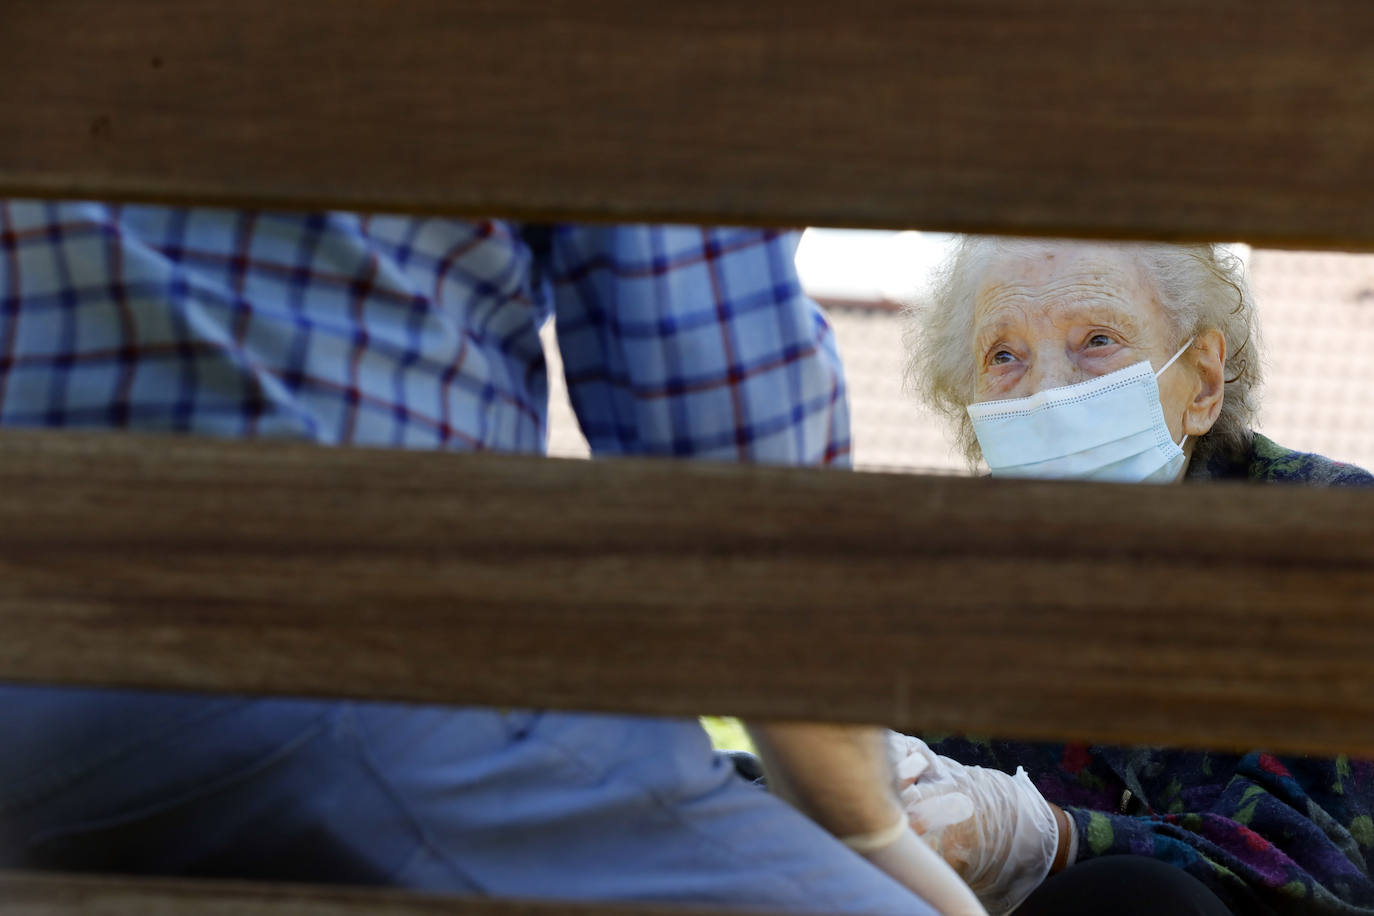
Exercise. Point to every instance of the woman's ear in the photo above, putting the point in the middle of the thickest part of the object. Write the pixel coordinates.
(1208, 358)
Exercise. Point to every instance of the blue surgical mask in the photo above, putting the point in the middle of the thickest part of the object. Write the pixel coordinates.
(1108, 428)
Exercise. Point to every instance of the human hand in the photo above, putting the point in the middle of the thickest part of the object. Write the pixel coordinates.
(915, 865)
(995, 829)
(840, 776)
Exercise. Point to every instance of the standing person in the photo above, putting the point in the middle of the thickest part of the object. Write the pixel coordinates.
(423, 333)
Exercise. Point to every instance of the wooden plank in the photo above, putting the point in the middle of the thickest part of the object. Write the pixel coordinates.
(1160, 118)
(1221, 616)
(36, 894)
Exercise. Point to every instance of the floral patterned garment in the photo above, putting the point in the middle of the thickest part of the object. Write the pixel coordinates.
(1268, 834)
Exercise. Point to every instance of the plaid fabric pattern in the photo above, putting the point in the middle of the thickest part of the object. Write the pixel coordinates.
(413, 332)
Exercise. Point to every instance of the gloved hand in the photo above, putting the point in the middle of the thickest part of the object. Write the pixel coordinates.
(913, 864)
(996, 830)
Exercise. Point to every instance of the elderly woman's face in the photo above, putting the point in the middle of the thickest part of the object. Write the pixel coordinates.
(1059, 313)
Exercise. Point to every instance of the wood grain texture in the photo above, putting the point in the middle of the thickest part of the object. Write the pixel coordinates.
(1246, 119)
(77, 895)
(1217, 616)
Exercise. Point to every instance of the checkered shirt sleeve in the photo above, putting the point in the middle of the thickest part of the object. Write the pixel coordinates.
(691, 341)
(412, 332)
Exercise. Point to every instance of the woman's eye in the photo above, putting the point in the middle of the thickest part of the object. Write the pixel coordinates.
(1100, 340)
(1001, 357)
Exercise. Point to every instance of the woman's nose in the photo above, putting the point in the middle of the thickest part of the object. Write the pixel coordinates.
(1052, 370)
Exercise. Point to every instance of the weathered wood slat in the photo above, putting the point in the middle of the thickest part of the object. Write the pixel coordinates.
(79, 895)
(1215, 616)
(1165, 118)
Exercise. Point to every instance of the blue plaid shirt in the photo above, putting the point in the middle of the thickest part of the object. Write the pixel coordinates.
(413, 332)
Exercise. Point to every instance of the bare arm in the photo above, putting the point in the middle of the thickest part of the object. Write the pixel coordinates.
(840, 777)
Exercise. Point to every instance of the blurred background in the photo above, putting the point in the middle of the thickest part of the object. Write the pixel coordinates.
(1317, 335)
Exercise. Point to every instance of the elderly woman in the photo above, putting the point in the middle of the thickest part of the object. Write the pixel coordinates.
(1133, 363)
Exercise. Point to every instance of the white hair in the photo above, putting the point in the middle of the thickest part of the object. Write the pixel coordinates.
(1201, 287)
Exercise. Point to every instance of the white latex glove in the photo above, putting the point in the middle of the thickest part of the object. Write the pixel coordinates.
(916, 866)
(996, 830)
(841, 777)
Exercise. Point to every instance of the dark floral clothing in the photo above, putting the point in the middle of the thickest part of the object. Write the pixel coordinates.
(1268, 834)
(1268, 462)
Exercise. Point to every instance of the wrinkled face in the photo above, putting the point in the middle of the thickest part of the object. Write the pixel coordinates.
(1054, 314)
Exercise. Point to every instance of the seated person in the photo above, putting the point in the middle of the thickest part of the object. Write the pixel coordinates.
(1040, 352)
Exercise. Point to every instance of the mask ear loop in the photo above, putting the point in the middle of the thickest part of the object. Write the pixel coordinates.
(1181, 350)
(1184, 349)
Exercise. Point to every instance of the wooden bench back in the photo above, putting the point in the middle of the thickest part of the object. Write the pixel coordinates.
(1240, 617)
(1230, 119)
(1221, 616)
